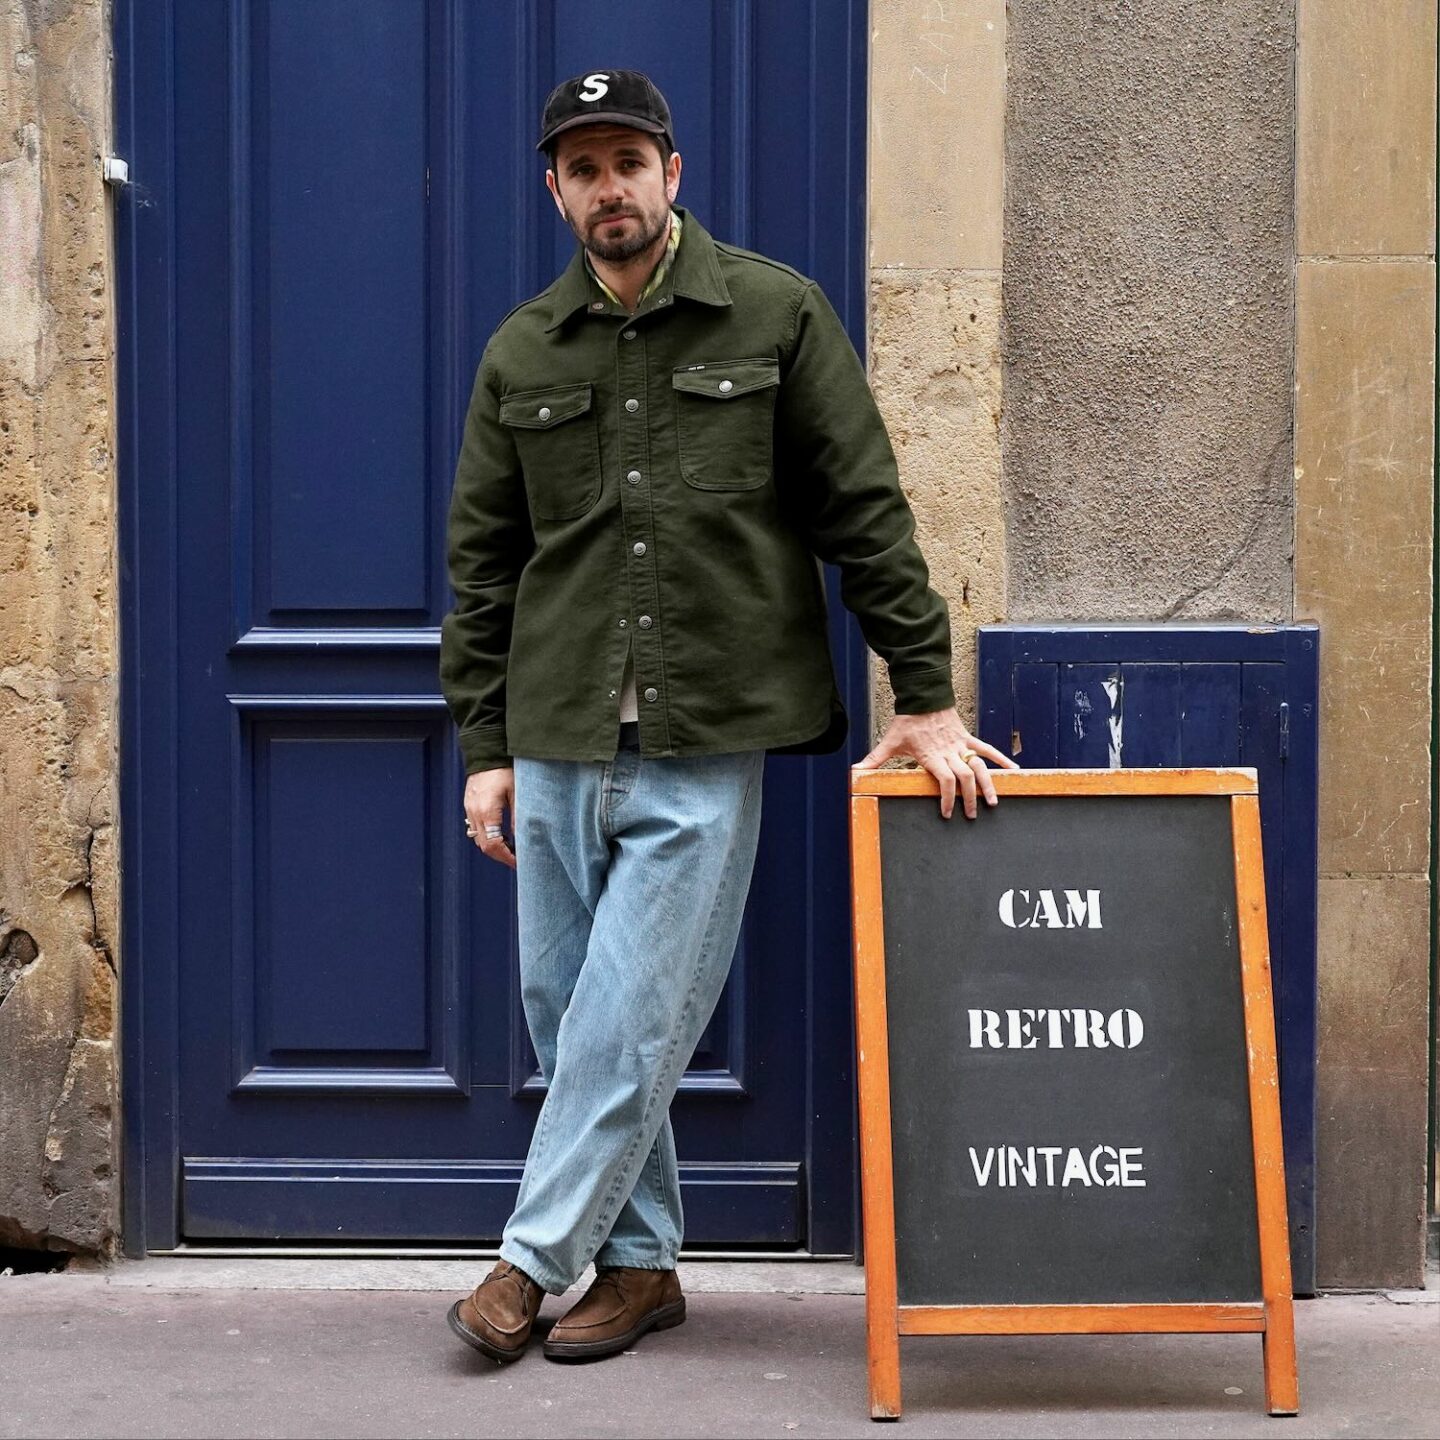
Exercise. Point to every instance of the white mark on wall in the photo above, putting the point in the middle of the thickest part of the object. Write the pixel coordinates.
(932, 14)
(1112, 690)
(942, 85)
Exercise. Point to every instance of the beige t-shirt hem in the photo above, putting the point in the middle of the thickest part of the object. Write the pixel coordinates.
(629, 706)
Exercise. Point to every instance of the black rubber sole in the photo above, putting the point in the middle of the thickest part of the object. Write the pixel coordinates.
(664, 1317)
(478, 1342)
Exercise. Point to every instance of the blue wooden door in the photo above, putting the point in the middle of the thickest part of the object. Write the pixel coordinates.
(332, 203)
(1084, 697)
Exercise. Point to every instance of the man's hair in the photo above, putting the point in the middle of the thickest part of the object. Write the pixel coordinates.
(661, 143)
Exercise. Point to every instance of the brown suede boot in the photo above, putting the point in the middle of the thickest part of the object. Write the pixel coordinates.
(619, 1307)
(496, 1317)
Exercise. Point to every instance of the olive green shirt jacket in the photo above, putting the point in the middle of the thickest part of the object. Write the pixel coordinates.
(669, 482)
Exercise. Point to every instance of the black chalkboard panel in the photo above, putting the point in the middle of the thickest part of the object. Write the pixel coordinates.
(1104, 1158)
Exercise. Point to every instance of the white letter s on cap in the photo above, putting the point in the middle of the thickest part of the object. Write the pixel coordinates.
(594, 87)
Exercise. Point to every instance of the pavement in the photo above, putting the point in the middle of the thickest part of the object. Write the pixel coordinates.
(185, 1346)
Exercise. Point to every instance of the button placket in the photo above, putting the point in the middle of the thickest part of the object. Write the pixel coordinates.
(637, 519)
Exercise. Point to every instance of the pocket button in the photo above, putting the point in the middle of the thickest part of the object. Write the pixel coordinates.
(726, 386)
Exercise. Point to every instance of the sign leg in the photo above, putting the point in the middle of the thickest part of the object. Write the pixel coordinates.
(884, 1344)
(882, 1306)
(1282, 1384)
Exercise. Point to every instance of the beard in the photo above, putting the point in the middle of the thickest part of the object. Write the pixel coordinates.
(645, 232)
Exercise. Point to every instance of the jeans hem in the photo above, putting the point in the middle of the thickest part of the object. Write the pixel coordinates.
(536, 1267)
(605, 1260)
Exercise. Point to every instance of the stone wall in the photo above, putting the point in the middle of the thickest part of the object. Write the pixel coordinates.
(58, 766)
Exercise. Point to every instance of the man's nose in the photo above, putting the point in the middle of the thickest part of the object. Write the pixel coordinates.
(611, 189)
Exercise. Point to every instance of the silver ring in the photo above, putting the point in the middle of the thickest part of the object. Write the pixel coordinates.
(494, 831)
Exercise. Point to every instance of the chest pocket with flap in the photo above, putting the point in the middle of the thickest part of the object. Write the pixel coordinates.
(559, 447)
(725, 420)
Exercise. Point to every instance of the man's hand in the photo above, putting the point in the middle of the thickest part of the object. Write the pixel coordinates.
(940, 742)
(488, 795)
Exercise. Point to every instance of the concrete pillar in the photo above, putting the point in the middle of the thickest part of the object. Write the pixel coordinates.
(937, 94)
(1364, 551)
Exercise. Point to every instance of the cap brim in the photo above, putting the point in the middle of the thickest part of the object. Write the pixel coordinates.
(601, 117)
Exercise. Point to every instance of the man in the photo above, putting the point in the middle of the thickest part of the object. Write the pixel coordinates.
(658, 447)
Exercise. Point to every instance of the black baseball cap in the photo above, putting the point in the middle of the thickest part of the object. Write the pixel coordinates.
(623, 97)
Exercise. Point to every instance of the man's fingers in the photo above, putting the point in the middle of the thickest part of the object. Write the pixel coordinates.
(488, 795)
(981, 772)
(497, 849)
(878, 756)
(946, 776)
(966, 776)
(494, 846)
(982, 747)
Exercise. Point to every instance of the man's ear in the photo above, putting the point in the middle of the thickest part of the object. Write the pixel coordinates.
(554, 189)
(672, 176)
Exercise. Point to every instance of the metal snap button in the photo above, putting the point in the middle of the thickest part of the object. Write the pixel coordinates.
(726, 386)
(597, 305)
(627, 334)
(645, 622)
(633, 477)
(632, 405)
(624, 622)
(652, 693)
(544, 412)
(663, 300)
(639, 547)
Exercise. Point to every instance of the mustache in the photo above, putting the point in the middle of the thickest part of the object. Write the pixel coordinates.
(614, 215)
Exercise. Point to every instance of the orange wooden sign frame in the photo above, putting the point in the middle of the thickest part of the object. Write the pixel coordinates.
(886, 1320)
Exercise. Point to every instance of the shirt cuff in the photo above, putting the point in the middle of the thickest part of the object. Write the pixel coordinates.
(923, 691)
(484, 748)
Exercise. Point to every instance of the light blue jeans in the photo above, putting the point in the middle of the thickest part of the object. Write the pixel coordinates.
(632, 876)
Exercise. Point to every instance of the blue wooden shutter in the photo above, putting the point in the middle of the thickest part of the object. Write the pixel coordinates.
(1138, 695)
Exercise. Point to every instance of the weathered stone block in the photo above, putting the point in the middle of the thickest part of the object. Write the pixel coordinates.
(937, 109)
(1364, 551)
(1366, 133)
(1372, 1094)
(935, 369)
